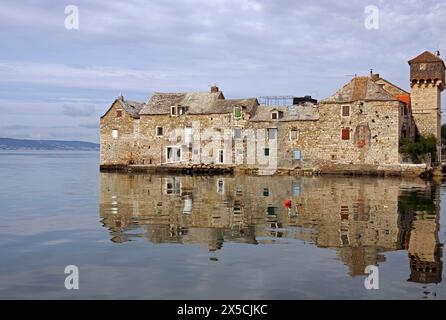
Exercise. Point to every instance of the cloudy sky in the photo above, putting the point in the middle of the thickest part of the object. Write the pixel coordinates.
(55, 83)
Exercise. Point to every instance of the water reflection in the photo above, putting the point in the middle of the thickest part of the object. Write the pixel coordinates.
(359, 218)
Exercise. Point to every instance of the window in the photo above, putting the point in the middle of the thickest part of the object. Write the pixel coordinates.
(118, 113)
(296, 190)
(293, 134)
(237, 133)
(265, 192)
(221, 157)
(266, 152)
(187, 135)
(274, 115)
(237, 207)
(237, 112)
(345, 111)
(173, 154)
(172, 186)
(240, 152)
(173, 111)
(220, 186)
(297, 155)
(272, 133)
(271, 210)
(159, 131)
(115, 134)
(346, 134)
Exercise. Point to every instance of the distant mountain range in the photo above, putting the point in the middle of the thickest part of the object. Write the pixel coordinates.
(19, 144)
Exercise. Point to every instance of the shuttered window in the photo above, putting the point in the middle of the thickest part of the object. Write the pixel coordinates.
(346, 134)
(237, 112)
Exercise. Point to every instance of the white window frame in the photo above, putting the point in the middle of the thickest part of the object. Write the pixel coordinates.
(174, 148)
(276, 113)
(187, 135)
(176, 186)
(173, 111)
(297, 134)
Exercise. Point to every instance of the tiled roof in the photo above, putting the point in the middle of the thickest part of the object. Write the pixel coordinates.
(132, 107)
(360, 88)
(426, 56)
(160, 103)
(196, 103)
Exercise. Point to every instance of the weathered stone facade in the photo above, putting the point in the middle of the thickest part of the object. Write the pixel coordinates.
(427, 78)
(358, 128)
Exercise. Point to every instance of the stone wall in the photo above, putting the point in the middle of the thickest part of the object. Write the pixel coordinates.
(426, 109)
(374, 130)
(122, 150)
(374, 133)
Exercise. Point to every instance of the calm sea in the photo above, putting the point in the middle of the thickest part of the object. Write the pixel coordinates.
(183, 237)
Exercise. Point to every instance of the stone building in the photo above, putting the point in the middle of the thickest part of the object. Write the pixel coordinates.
(359, 128)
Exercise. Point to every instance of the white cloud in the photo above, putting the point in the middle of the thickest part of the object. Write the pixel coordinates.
(248, 47)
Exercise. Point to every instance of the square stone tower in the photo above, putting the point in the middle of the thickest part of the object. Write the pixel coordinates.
(427, 81)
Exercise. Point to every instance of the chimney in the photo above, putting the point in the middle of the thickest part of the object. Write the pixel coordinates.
(375, 76)
(438, 53)
(214, 89)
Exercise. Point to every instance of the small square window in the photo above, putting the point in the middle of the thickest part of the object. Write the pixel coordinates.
(346, 134)
(297, 155)
(293, 134)
(345, 111)
(118, 113)
(296, 190)
(274, 115)
(159, 131)
(266, 152)
(265, 192)
(237, 133)
(115, 134)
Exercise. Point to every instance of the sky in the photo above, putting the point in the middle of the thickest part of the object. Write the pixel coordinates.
(56, 82)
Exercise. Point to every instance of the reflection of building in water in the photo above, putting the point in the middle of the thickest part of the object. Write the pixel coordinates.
(425, 250)
(360, 218)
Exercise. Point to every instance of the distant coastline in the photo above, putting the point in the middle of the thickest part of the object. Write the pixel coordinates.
(54, 145)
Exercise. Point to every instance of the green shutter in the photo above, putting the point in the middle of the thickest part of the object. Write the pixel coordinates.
(237, 112)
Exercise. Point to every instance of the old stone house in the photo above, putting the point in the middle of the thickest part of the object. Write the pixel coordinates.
(358, 128)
